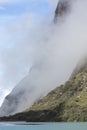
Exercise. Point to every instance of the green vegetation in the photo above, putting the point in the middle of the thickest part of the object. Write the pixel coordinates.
(67, 102)
(72, 96)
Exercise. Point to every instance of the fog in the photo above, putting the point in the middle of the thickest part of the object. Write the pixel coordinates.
(44, 53)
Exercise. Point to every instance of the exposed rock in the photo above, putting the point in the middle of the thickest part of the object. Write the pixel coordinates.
(63, 7)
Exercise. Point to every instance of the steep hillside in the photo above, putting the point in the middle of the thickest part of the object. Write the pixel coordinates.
(69, 100)
(65, 103)
(32, 83)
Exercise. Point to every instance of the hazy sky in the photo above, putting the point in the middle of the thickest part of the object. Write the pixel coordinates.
(16, 16)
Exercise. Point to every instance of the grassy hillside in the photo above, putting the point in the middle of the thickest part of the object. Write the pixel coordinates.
(66, 103)
(70, 99)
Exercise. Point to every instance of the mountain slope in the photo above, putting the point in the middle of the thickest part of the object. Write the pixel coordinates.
(70, 100)
(38, 77)
(65, 103)
(63, 8)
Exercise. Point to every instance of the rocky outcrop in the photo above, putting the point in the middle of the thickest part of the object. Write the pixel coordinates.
(63, 7)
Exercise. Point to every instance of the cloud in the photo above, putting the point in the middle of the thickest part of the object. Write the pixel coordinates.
(16, 1)
(16, 32)
(3, 93)
(13, 36)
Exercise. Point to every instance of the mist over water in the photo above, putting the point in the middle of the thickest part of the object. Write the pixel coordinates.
(46, 52)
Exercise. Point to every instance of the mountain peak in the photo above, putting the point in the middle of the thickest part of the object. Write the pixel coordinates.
(63, 7)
